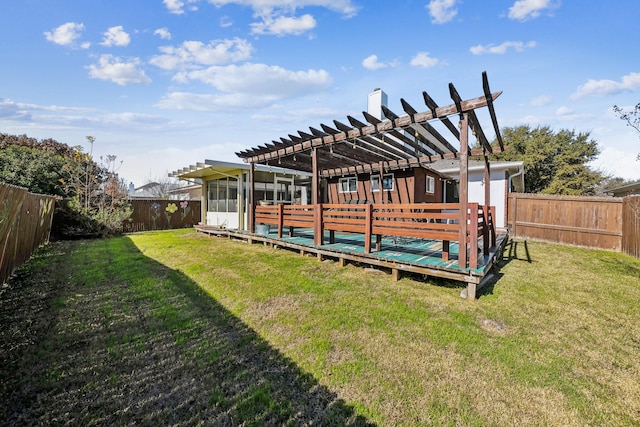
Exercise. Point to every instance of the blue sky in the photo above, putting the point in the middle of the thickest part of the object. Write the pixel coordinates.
(165, 84)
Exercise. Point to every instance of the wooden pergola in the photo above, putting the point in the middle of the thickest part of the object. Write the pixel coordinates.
(375, 146)
(398, 141)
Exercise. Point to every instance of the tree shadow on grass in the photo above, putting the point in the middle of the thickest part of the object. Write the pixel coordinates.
(141, 345)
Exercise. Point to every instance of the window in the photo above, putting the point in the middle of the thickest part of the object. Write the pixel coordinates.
(222, 195)
(348, 185)
(430, 187)
(387, 182)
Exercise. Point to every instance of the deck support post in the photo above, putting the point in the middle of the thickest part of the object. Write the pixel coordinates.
(471, 291)
(342, 262)
(464, 189)
(395, 274)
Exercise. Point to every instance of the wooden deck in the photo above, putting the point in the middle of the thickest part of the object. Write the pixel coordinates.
(407, 248)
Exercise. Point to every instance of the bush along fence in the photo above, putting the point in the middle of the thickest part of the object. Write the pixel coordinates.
(25, 224)
(595, 222)
(162, 215)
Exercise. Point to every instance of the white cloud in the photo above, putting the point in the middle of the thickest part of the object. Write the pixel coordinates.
(529, 9)
(283, 25)
(541, 101)
(13, 111)
(502, 48)
(278, 17)
(269, 7)
(191, 54)
(564, 111)
(163, 33)
(262, 79)
(226, 22)
(628, 83)
(213, 102)
(371, 63)
(116, 36)
(422, 59)
(442, 11)
(66, 35)
(113, 69)
(246, 87)
(177, 6)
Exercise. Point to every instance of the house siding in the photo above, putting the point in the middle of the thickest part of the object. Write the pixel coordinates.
(408, 187)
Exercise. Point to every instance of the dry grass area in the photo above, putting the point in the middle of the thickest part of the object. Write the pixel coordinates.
(177, 328)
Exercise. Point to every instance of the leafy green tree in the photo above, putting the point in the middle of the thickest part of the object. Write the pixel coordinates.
(38, 166)
(554, 162)
(95, 199)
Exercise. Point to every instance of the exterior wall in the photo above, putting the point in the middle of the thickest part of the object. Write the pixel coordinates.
(408, 187)
(476, 193)
(224, 219)
(498, 194)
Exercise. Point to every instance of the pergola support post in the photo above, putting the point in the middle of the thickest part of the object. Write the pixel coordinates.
(252, 194)
(464, 189)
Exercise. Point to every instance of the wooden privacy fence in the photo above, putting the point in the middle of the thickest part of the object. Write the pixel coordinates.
(25, 224)
(162, 215)
(436, 221)
(594, 222)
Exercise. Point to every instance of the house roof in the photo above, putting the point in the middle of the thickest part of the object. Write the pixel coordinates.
(397, 141)
(213, 167)
(625, 190)
(452, 166)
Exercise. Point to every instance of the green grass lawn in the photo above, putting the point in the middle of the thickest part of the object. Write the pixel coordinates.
(178, 328)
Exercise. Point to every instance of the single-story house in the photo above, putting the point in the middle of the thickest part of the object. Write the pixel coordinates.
(225, 194)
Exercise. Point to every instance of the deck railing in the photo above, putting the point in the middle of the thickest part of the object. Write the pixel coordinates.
(436, 221)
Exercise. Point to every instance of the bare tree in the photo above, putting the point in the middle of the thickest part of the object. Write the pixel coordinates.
(632, 117)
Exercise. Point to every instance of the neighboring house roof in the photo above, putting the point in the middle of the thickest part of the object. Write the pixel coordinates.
(212, 167)
(625, 190)
(151, 191)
